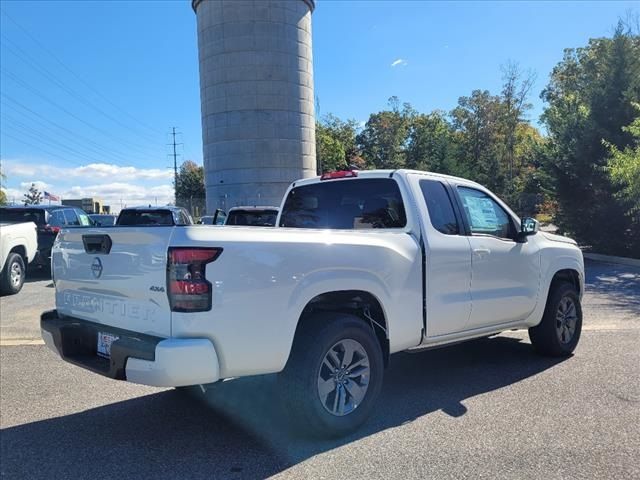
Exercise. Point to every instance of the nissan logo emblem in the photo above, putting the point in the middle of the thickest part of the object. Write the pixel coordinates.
(96, 268)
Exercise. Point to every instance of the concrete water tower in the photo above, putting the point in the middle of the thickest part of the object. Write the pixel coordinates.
(256, 93)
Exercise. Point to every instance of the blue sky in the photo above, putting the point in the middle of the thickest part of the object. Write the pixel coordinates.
(90, 90)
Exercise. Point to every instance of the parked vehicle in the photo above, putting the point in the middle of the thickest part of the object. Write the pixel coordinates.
(360, 266)
(218, 218)
(252, 216)
(18, 247)
(49, 219)
(103, 220)
(150, 216)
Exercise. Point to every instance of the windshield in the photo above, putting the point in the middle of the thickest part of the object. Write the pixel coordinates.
(254, 218)
(345, 204)
(145, 217)
(20, 215)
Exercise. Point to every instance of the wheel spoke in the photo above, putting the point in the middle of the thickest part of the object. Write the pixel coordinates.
(342, 399)
(356, 391)
(325, 388)
(333, 358)
(349, 350)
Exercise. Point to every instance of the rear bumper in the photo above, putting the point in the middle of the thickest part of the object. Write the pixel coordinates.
(135, 357)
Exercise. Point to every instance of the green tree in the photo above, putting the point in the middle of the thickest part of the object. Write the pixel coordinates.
(476, 120)
(432, 144)
(330, 152)
(624, 170)
(589, 99)
(383, 141)
(190, 189)
(33, 196)
(624, 167)
(3, 195)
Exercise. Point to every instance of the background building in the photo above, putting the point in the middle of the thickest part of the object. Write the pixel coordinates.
(256, 91)
(89, 205)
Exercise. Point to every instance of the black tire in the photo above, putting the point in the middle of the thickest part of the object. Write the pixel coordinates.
(553, 336)
(9, 285)
(302, 374)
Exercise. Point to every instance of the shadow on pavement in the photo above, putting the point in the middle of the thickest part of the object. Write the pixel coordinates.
(38, 274)
(619, 283)
(239, 429)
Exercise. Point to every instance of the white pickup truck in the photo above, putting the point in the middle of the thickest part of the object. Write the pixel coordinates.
(361, 265)
(18, 248)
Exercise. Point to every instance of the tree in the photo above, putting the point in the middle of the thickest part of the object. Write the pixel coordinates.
(3, 195)
(432, 144)
(476, 120)
(624, 171)
(190, 189)
(329, 150)
(515, 92)
(383, 141)
(33, 196)
(589, 99)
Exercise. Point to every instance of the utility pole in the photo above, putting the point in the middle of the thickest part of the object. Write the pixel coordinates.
(175, 163)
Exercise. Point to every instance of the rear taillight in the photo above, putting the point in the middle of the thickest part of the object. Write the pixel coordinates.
(50, 229)
(188, 288)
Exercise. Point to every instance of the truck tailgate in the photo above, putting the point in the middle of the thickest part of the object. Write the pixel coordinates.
(114, 276)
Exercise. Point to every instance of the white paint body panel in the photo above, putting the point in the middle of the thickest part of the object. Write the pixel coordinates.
(14, 235)
(264, 278)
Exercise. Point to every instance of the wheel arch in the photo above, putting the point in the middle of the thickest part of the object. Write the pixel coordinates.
(359, 303)
(22, 251)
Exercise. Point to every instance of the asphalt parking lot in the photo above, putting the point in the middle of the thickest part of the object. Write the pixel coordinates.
(486, 409)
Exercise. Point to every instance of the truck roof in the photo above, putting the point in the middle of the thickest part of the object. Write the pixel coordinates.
(385, 173)
(253, 208)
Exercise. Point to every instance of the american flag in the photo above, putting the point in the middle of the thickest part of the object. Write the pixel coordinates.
(51, 196)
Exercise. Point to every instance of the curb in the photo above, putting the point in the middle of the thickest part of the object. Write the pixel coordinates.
(634, 262)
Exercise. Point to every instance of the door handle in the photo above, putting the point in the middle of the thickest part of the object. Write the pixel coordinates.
(481, 251)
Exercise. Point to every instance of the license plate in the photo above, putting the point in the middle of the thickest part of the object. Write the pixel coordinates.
(104, 344)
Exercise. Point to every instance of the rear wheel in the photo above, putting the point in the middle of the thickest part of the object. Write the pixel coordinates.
(559, 331)
(13, 275)
(333, 376)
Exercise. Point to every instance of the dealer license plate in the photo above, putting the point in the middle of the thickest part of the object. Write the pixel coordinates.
(104, 344)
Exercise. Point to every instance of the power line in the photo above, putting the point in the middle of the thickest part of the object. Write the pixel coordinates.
(27, 59)
(25, 85)
(85, 83)
(39, 136)
(72, 136)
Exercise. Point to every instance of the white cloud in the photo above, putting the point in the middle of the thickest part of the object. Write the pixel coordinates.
(40, 185)
(399, 62)
(14, 168)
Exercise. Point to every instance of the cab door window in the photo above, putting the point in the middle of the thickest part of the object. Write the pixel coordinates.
(485, 215)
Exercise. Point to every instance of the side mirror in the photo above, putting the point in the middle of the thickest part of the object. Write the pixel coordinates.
(528, 226)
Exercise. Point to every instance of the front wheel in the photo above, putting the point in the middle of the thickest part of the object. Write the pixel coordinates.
(559, 331)
(13, 275)
(334, 375)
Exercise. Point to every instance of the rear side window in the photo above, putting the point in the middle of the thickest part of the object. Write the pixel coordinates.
(345, 205)
(145, 217)
(439, 206)
(21, 215)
